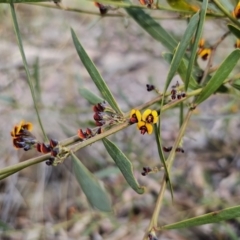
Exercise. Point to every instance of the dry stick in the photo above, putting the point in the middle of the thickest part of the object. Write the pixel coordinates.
(210, 61)
(153, 226)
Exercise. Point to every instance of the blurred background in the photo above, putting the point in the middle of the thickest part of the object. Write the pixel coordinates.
(43, 202)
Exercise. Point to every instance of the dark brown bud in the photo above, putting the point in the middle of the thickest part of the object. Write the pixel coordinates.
(55, 152)
(97, 117)
(27, 147)
(167, 149)
(89, 132)
(99, 131)
(81, 134)
(53, 143)
(150, 87)
(45, 148)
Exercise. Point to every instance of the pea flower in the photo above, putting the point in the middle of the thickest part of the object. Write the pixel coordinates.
(145, 127)
(135, 116)
(150, 116)
(22, 137)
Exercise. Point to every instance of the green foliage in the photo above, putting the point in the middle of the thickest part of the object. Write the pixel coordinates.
(93, 72)
(182, 57)
(90, 96)
(123, 164)
(213, 217)
(95, 193)
(218, 78)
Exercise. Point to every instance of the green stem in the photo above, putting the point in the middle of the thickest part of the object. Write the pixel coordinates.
(18, 35)
(153, 225)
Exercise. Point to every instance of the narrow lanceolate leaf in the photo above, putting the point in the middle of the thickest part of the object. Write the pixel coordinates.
(152, 27)
(90, 96)
(162, 158)
(181, 48)
(182, 70)
(95, 193)
(234, 29)
(123, 164)
(236, 84)
(22, 1)
(198, 34)
(95, 75)
(220, 75)
(213, 217)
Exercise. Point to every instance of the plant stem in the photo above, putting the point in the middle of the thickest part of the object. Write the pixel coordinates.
(154, 220)
(18, 35)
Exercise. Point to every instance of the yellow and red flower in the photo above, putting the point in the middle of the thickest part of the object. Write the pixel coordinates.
(21, 136)
(135, 116)
(145, 127)
(150, 116)
(237, 43)
(19, 129)
(204, 53)
(236, 11)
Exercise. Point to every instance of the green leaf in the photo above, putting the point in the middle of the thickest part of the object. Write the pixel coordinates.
(182, 70)
(95, 193)
(234, 29)
(181, 49)
(4, 226)
(95, 75)
(220, 75)
(90, 96)
(196, 41)
(162, 158)
(236, 84)
(213, 217)
(29, 80)
(123, 164)
(152, 27)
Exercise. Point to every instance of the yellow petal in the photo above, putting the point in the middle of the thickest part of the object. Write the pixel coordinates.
(139, 116)
(28, 126)
(149, 128)
(145, 114)
(155, 116)
(133, 111)
(140, 124)
(19, 127)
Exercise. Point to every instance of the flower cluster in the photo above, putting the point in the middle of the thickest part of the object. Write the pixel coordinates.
(88, 133)
(203, 52)
(105, 115)
(169, 149)
(176, 93)
(144, 121)
(150, 87)
(53, 148)
(22, 137)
